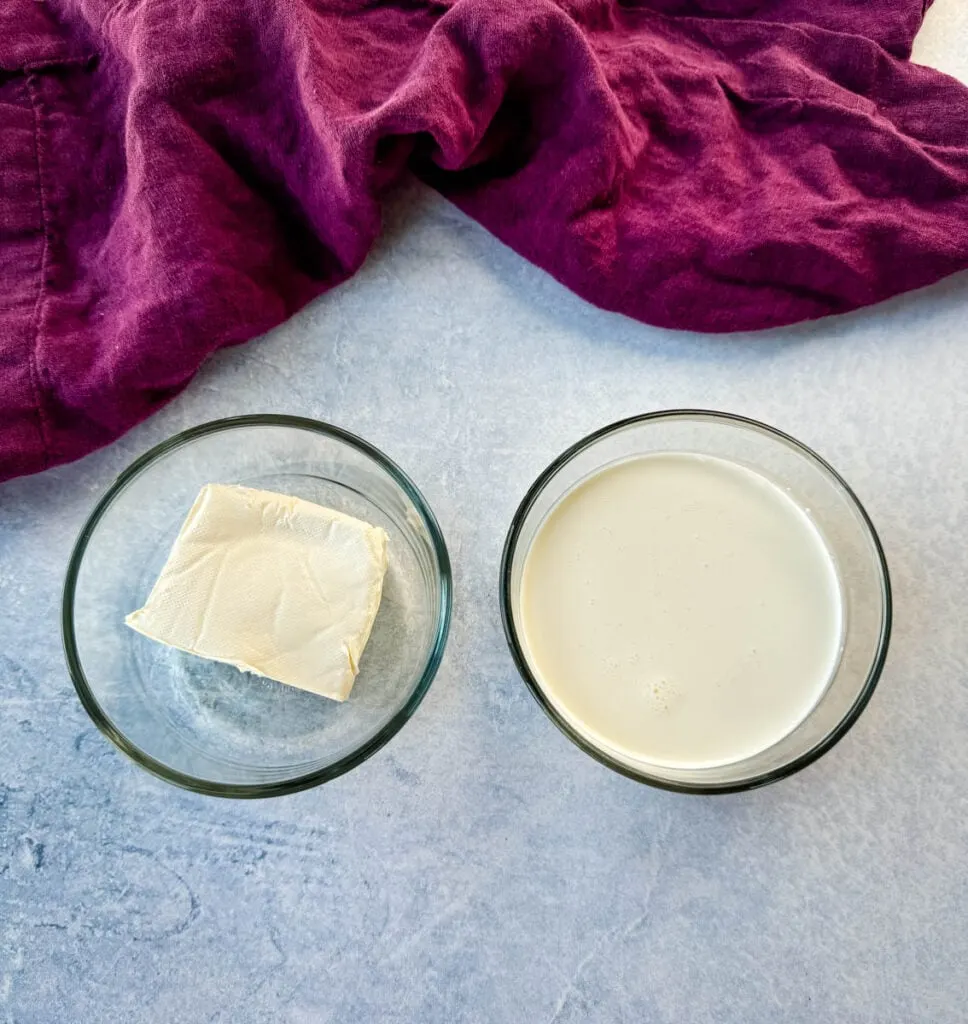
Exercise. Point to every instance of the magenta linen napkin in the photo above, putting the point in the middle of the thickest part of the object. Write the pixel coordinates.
(178, 175)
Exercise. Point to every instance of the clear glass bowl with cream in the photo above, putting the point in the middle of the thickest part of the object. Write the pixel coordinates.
(200, 722)
(697, 600)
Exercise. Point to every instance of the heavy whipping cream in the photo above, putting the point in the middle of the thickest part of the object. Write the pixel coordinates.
(681, 610)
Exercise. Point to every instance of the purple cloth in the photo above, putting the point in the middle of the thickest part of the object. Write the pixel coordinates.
(178, 175)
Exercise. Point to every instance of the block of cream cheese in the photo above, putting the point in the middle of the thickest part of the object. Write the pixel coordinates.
(274, 585)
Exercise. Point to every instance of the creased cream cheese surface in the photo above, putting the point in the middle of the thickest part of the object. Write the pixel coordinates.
(275, 585)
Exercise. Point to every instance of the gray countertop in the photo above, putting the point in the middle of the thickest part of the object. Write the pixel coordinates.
(480, 867)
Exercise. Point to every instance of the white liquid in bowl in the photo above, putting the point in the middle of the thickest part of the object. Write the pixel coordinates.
(680, 610)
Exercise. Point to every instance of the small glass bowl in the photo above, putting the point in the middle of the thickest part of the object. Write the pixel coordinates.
(204, 725)
(835, 510)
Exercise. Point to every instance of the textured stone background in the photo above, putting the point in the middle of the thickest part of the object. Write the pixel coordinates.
(480, 868)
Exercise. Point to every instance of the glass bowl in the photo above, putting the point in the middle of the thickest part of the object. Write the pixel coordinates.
(205, 725)
(835, 511)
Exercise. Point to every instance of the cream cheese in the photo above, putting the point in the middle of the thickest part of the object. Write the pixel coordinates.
(272, 584)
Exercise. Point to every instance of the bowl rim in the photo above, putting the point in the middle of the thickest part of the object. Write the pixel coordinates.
(517, 652)
(366, 750)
